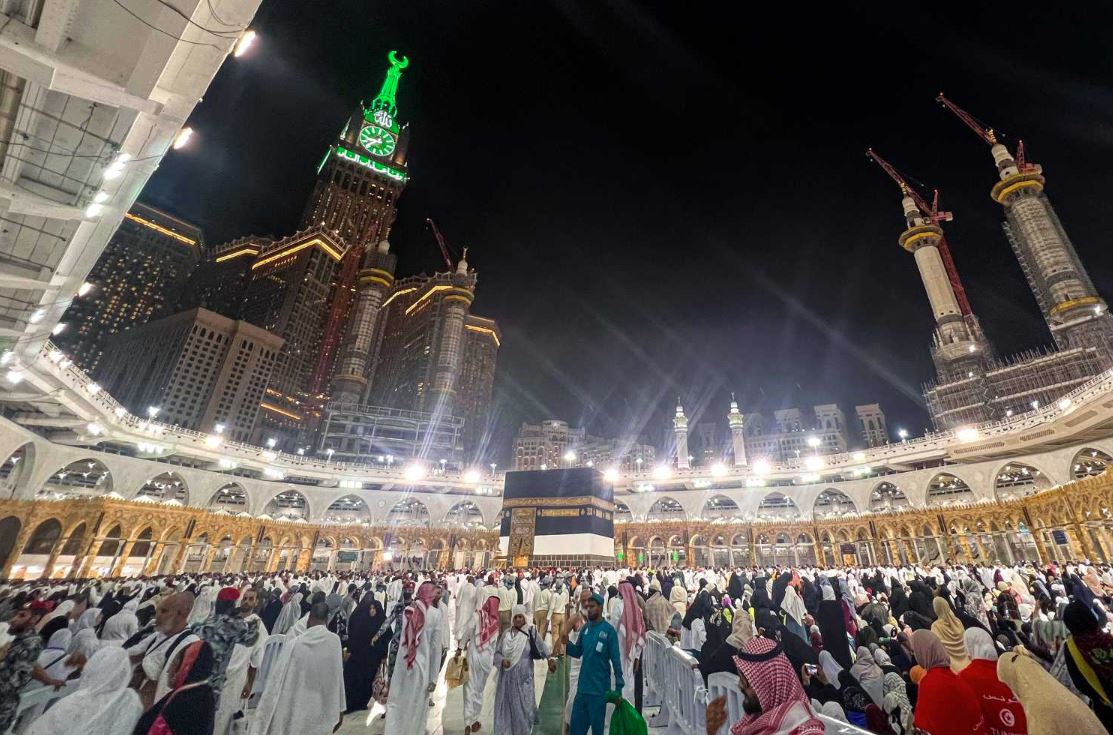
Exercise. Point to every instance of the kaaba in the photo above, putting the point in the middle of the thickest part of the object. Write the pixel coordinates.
(557, 518)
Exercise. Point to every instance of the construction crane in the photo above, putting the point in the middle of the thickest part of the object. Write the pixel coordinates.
(440, 242)
(932, 214)
(986, 134)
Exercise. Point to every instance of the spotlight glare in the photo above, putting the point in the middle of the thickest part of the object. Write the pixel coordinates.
(182, 138)
(245, 42)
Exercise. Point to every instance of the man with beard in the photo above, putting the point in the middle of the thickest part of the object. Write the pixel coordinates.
(245, 661)
(774, 702)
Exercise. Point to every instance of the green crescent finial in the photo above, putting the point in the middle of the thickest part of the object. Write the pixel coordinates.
(385, 99)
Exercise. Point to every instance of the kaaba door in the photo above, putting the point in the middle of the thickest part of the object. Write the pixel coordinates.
(523, 523)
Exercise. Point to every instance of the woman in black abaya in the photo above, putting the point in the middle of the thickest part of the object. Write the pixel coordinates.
(366, 652)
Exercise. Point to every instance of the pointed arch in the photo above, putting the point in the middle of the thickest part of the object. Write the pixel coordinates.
(87, 476)
(408, 512)
(230, 497)
(947, 489)
(720, 506)
(833, 503)
(289, 504)
(778, 506)
(165, 487)
(666, 508)
(886, 496)
(1089, 462)
(1019, 480)
(17, 467)
(348, 509)
(465, 514)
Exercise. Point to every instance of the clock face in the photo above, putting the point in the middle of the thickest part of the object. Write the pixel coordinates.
(377, 140)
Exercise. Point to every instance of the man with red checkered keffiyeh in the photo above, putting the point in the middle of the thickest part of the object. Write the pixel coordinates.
(775, 703)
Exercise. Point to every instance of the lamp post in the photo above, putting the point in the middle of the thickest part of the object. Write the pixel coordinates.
(330, 451)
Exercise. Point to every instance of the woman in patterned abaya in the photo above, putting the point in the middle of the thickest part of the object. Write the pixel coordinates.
(515, 705)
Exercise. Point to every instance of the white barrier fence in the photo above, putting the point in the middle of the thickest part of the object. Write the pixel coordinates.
(674, 676)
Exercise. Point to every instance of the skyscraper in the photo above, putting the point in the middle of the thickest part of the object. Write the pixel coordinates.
(202, 370)
(358, 184)
(293, 282)
(430, 376)
(139, 277)
(219, 281)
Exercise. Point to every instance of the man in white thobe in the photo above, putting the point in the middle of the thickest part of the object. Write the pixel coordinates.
(416, 667)
(156, 651)
(240, 674)
(465, 608)
(305, 691)
(479, 635)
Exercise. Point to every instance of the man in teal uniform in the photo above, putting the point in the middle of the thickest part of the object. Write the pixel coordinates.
(597, 649)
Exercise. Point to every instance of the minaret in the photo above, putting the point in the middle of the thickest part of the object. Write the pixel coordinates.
(354, 361)
(680, 427)
(455, 302)
(737, 424)
(959, 345)
(1076, 315)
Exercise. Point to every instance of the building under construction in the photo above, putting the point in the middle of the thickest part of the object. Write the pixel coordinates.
(972, 384)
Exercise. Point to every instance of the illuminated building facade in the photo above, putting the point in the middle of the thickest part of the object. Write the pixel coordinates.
(433, 361)
(358, 185)
(293, 282)
(553, 443)
(138, 278)
(203, 371)
(219, 282)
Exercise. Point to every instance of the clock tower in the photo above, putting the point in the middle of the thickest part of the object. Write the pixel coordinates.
(358, 184)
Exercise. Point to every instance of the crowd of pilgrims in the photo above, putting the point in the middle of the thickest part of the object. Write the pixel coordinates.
(939, 650)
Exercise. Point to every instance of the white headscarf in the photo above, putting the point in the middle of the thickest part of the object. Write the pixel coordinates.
(203, 605)
(102, 705)
(514, 642)
(831, 668)
(121, 626)
(84, 639)
(53, 658)
(289, 615)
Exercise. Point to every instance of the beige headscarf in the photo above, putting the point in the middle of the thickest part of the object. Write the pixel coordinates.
(658, 612)
(1049, 707)
(679, 598)
(948, 629)
(741, 629)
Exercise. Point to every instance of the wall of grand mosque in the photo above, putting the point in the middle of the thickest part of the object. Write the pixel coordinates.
(105, 537)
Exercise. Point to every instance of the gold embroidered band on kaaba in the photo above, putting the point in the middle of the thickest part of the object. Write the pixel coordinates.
(557, 502)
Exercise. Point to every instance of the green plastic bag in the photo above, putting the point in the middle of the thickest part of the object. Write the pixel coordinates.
(625, 720)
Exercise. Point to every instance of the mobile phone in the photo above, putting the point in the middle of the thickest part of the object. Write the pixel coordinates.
(811, 669)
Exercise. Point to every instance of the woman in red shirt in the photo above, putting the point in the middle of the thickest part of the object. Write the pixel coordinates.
(1003, 714)
(946, 705)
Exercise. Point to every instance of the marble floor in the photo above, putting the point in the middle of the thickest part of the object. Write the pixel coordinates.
(446, 716)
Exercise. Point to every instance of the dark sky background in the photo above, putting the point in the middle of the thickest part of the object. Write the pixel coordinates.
(673, 199)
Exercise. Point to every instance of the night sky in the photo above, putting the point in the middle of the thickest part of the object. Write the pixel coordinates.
(667, 200)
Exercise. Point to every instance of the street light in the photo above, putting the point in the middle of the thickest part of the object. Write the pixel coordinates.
(814, 441)
(152, 411)
(271, 442)
(493, 466)
(443, 463)
(330, 451)
(902, 433)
